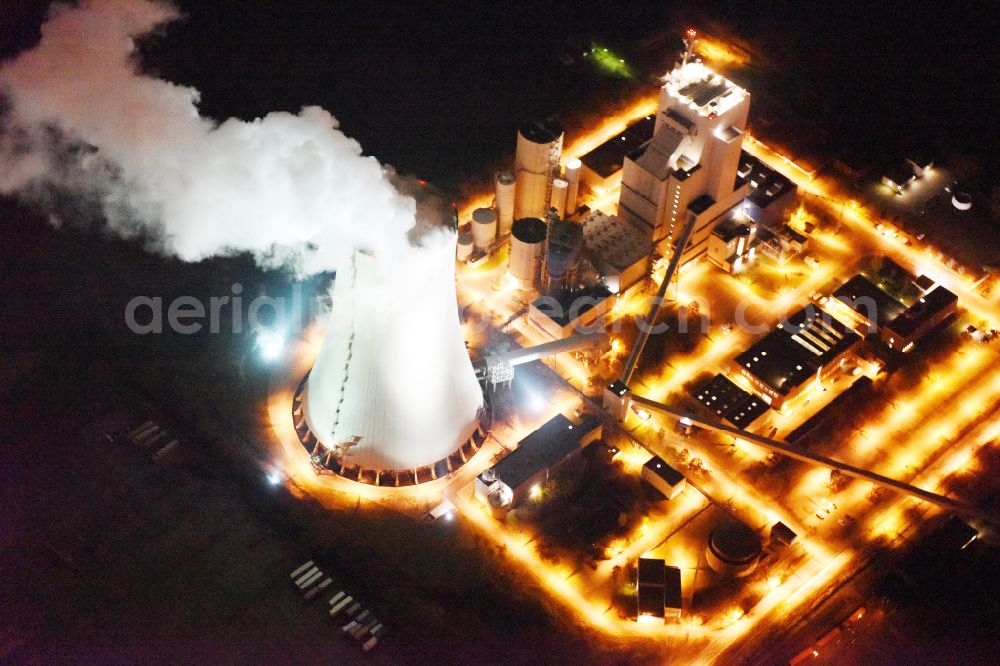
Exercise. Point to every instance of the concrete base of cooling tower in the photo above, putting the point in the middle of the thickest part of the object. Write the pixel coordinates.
(324, 462)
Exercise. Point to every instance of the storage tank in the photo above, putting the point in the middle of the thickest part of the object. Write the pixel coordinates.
(527, 247)
(572, 177)
(505, 202)
(531, 197)
(464, 247)
(536, 161)
(733, 549)
(499, 502)
(558, 201)
(484, 228)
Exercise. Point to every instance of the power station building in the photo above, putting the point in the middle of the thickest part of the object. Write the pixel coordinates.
(689, 167)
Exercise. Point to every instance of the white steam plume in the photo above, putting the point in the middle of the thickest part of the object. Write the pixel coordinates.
(282, 187)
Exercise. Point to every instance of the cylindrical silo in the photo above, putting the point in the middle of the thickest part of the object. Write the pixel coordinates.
(539, 149)
(484, 228)
(505, 202)
(464, 248)
(531, 198)
(572, 176)
(559, 190)
(527, 248)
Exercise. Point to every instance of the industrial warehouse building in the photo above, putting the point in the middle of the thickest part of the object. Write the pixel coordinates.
(729, 402)
(780, 242)
(517, 473)
(658, 591)
(808, 345)
(569, 313)
(770, 195)
(917, 320)
(732, 245)
(867, 307)
(657, 473)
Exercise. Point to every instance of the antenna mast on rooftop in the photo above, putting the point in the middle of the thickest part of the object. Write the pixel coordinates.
(690, 37)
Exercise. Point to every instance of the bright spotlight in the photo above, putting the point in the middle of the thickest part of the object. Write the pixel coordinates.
(270, 344)
(274, 478)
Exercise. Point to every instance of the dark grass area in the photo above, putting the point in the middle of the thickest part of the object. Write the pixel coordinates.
(587, 502)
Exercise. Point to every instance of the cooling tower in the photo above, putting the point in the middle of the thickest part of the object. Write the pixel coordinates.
(392, 397)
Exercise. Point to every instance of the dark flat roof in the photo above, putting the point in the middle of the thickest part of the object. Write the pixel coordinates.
(546, 447)
(729, 229)
(729, 401)
(924, 282)
(672, 587)
(846, 403)
(570, 302)
(861, 295)
(651, 571)
(791, 353)
(766, 184)
(700, 204)
(926, 308)
(684, 174)
(518, 466)
(609, 157)
(660, 468)
(651, 600)
(899, 173)
(783, 533)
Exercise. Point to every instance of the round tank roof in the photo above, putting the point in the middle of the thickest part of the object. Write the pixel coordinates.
(961, 200)
(529, 230)
(484, 216)
(541, 131)
(735, 543)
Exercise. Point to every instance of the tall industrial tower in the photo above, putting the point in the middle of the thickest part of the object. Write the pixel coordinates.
(689, 167)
